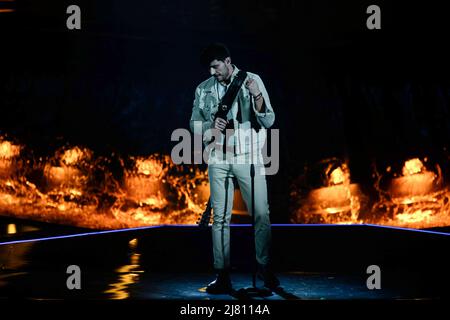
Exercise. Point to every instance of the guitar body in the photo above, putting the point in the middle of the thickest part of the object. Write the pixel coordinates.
(204, 220)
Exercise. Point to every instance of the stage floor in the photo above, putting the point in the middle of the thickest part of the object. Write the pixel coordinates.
(191, 286)
(313, 262)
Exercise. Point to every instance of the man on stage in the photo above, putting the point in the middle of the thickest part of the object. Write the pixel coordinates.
(232, 157)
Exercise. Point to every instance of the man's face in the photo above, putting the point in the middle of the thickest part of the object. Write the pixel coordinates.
(220, 69)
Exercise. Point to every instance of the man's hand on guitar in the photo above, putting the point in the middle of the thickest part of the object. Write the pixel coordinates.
(220, 124)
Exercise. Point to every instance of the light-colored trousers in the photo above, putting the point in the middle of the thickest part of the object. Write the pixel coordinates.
(222, 192)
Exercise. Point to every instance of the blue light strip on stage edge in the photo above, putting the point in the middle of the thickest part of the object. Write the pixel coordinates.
(408, 229)
(233, 225)
(80, 235)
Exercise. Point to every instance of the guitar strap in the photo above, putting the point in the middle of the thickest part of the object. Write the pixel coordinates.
(227, 102)
(230, 95)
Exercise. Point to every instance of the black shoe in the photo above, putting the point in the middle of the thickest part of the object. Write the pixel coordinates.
(269, 278)
(222, 284)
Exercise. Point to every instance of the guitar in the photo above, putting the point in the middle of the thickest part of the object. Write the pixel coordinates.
(204, 220)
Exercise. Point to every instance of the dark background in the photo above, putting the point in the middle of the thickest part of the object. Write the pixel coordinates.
(126, 80)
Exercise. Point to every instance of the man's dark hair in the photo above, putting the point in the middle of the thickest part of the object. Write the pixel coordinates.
(212, 52)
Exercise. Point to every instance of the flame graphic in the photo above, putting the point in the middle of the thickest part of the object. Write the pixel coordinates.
(337, 201)
(416, 198)
(74, 187)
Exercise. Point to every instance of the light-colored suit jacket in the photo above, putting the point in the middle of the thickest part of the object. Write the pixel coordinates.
(206, 103)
